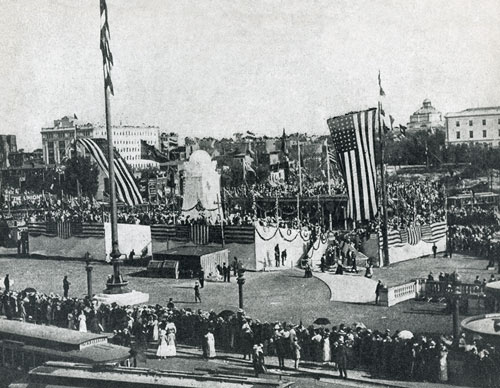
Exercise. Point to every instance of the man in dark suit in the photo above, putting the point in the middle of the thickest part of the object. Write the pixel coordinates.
(341, 353)
(66, 284)
(225, 272)
(379, 288)
(201, 277)
(6, 283)
(277, 255)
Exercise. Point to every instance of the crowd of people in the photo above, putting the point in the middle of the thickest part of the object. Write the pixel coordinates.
(416, 202)
(472, 215)
(291, 189)
(400, 355)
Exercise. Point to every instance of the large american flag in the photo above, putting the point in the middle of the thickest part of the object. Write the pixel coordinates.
(126, 187)
(353, 137)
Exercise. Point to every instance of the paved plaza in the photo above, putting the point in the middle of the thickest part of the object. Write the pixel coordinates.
(268, 296)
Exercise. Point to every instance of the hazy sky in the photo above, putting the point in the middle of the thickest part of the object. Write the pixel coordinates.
(216, 67)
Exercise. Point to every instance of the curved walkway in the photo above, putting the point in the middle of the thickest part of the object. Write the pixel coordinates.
(348, 287)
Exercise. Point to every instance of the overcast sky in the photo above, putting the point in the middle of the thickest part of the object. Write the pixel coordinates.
(216, 67)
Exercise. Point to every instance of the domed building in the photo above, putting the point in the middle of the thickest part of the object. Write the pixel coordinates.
(427, 118)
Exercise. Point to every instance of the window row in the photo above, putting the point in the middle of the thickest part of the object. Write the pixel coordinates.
(471, 122)
(471, 134)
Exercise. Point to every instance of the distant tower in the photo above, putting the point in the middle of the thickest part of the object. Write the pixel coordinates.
(427, 118)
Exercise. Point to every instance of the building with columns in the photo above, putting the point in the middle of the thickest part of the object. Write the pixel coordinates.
(57, 140)
(427, 118)
(474, 126)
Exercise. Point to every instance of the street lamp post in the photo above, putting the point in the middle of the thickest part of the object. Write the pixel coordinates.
(241, 282)
(88, 268)
(455, 299)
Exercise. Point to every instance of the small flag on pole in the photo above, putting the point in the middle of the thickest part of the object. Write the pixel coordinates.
(107, 56)
(381, 91)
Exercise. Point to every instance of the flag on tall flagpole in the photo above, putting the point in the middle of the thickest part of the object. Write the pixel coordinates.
(107, 56)
(387, 121)
(353, 138)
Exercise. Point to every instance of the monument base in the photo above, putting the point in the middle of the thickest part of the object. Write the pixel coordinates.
(129, 298)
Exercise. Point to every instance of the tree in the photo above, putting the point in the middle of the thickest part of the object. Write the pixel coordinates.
(80, 172)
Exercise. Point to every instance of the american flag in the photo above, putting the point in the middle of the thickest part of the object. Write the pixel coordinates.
(107, 57)
(414, 234)
(126, 187)
(353, 138)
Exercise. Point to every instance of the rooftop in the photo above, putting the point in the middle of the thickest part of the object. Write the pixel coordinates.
(47, 336)
(489, 110)
(198, 250)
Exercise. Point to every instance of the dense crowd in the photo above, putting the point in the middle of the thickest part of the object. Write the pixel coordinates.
(269, 190)
(400, 355)
(476, 240)
(472, 215)
(416, 202)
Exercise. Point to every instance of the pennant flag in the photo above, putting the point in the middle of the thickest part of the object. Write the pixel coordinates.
(353, 138)
(126, 188)
(107, 57)
(381, 91)
(386, 121)
(151, 153)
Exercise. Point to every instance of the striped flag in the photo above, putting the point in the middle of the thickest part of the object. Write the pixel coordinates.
(353, 138)
(162, 232)
(107, 57)
(438, 230)
(393, 239)
(87, 229)
(404, 236)
(126, 188)
(414, 234)
(426, 232)
(250, 135)
(200, 234)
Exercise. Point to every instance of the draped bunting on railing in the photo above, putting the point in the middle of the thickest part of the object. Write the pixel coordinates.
(414, 234)
(66, 229)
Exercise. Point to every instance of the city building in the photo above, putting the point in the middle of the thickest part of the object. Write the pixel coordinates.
(8, 145)
(474, 126)
(57, 140)
(427, 118)
(127, 141)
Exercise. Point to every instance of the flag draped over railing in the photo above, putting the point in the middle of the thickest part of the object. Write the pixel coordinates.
(353, 138)
(429, 233)
(126, 188)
